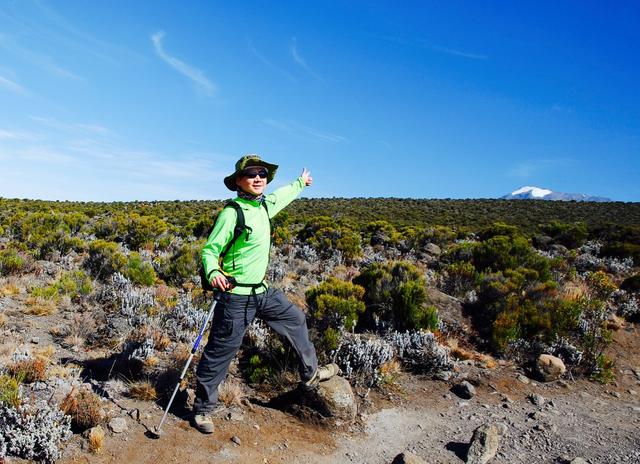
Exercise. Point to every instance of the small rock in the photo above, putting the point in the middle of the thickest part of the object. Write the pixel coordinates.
(578, 461)
(537, 399)
(443, 375)
(633, 392)
(464, 390)
(407, 458)
(236, 440)
(522, 378)
(484, 444)
(118, 425)
(615, 394)
(615, 323)
(549, 367)
(256, 426)
(35, 340)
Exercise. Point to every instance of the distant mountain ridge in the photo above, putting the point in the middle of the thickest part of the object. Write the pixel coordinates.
(537, 193)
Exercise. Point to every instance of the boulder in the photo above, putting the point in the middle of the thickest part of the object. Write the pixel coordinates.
(337, 399)
(464, 390)
(549, 367)
(118, 425)
(407, 458)
(484, 444)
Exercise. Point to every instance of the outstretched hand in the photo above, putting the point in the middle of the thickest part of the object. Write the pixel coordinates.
(306, 175)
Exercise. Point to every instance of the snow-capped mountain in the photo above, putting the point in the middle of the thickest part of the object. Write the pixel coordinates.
(537, 193)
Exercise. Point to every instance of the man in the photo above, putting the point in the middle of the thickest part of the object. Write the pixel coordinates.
(246, 260)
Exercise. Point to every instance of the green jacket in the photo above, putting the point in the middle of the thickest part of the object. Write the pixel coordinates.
(248, 258)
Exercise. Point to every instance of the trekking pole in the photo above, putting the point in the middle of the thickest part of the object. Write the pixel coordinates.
(156, 433)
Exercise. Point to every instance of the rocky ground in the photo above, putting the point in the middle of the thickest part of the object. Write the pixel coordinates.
(537, 422)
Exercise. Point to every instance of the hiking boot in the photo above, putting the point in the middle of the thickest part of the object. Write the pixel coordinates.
(322, 373)
(203, 423)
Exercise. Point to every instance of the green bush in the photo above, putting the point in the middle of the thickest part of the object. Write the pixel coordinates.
(622, 250)
(183, 264)
(570, 235)
(395, 296)
(144, 230)
(11, 262)
(105, 259)
(460, 278)
(325, 235)
(502, 252)
(72, 284)
(258, 371)
(139, 271)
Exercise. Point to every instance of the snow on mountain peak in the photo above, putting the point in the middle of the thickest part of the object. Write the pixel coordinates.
(536, 192)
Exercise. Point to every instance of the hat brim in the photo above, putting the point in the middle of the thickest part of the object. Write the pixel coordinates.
(230, 181)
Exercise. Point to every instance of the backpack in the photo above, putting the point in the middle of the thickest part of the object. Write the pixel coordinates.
(237, 232)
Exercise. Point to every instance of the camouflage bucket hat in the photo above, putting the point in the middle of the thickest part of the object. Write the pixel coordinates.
(245, 162)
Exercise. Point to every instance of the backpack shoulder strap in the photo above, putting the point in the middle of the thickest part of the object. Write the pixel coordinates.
(238, 229)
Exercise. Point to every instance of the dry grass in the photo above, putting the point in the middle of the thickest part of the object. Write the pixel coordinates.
(9, 289)
(574, 290)
(64, 372)
(143, 390)
(31, 370)
(150, 363)
(40, 307)
(3, 320)
(84, 407)
(45, 353)
(96, 439)
(231, 392)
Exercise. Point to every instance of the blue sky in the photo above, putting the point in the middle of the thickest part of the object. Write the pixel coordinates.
(126, 100)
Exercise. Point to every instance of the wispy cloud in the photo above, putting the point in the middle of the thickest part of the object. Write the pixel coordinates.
(44, 62)
(88, 161)
(13, 86)
(301, 61)
(279, 70)
(423, 43)
(463, 54)
(14, 135)
(196, 75)
(301, 131)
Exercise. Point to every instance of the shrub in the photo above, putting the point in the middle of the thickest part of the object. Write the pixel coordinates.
(605, 369)
(105, 259)
(395, 296)
(144, 230)
(420, 351)
(29, 370)
(73, 284)
(84, 408)
(183, 265)
(258, 370)
(33, 431)
(325, 235)
(361, 356)
(570, 235)
(139, 271)
(10, 389)
(335, 304)
(11, 262)
(460, 279)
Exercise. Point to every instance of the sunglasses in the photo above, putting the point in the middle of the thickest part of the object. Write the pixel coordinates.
(263, 173)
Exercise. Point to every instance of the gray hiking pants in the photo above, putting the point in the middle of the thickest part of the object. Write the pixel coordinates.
(232, 315)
